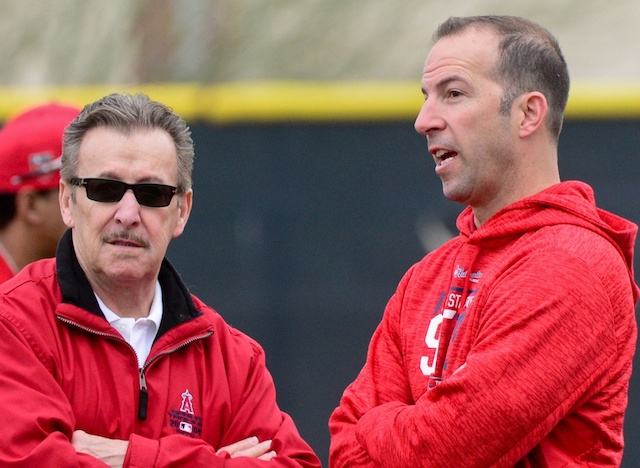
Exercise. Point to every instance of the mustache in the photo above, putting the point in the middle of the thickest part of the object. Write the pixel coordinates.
(126, 236)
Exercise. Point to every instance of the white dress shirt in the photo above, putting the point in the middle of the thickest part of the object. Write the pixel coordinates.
(139, 333)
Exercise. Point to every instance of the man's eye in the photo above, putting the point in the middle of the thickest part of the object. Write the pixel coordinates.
(455, 93)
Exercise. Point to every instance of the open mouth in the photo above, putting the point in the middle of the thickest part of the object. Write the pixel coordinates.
(443, 156)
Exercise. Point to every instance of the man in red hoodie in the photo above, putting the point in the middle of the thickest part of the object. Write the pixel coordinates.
(512, 343)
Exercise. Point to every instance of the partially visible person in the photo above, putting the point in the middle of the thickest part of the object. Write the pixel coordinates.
(511, 344)
(30, 221)
(106, 355)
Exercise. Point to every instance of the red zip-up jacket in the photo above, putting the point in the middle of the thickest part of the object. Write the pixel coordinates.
(63, 368)
(511, 344)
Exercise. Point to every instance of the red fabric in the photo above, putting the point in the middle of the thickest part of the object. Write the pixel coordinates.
(65, 369)
(5, 270)
(537, 369)
(31, 147)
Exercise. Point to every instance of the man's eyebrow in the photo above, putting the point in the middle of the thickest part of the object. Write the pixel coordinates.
(443, 82)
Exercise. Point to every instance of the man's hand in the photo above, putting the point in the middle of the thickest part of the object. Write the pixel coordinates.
(249, 447)
(110, 451)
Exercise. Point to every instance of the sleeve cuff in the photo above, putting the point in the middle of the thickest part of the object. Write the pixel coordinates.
(142, 452)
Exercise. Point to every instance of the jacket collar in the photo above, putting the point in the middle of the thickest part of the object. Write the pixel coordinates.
(178, 306)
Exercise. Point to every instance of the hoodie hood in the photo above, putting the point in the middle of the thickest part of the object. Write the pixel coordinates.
(570, 202)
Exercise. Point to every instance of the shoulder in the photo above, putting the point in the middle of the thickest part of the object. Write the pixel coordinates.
(231, 341)
(35, 284)
(40, 274)
(28, 303)
(562, 246)
(431, 269)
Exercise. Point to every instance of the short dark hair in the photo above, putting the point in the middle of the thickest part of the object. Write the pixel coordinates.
(7, 209)
(126, 112)
(530, 60)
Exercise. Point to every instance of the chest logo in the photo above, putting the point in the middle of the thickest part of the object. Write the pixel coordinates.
(187, 402)
(184, 420)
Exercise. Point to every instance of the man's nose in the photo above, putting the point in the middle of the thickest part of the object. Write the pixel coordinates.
(429, 118)
(128, 210)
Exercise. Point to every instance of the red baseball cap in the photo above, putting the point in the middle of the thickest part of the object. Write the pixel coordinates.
(31, 147)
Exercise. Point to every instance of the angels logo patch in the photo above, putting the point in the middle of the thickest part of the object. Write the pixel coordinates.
(187, 402)
(184, 419)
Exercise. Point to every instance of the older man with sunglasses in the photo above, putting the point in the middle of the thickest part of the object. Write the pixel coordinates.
(107, 357)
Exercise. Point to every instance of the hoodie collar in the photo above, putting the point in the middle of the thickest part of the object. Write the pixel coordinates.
(570, 202)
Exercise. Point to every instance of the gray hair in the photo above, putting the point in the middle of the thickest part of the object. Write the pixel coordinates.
(125, 113)
(530, 60)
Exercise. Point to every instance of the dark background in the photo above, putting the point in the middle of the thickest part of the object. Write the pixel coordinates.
(301, 232)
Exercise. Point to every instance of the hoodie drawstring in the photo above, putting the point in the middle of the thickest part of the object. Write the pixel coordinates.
(449, 321)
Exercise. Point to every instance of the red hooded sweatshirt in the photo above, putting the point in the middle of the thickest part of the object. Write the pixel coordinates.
(511, 344)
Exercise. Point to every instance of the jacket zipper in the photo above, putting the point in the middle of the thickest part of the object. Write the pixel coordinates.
(143, 400)
(143, 395)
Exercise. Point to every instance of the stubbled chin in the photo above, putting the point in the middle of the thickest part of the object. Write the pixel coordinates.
(442, 167)
(125, 256)
(121, 272)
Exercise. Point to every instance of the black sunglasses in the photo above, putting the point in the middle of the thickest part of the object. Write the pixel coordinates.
(111, 191)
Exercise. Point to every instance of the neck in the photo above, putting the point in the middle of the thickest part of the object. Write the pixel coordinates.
(534, 178)
(127, 302)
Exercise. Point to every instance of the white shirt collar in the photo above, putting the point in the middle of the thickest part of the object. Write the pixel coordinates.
(139, 333)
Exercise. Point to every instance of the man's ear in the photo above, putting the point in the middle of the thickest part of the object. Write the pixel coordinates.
(533, 113)
(26, 206)
(65, 203)
(184, 210)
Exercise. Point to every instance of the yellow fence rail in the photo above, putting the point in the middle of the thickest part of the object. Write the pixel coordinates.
(294, 101)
